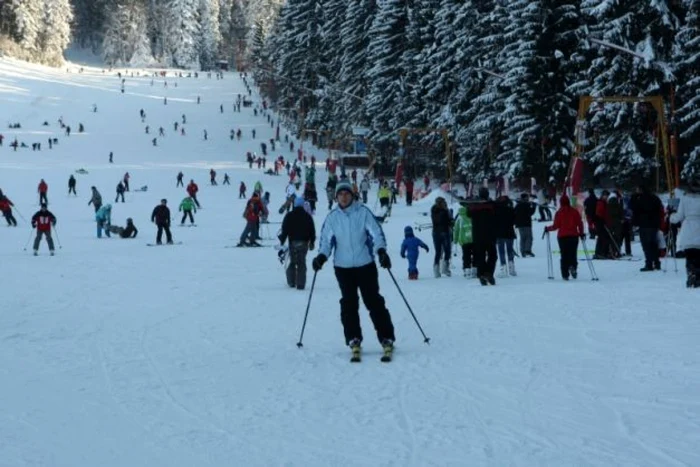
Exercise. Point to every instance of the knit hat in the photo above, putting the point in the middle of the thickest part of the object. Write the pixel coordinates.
(299, 201)
(343, 185)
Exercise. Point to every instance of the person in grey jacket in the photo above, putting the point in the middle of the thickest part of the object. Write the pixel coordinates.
(354, 235)
(95, 200)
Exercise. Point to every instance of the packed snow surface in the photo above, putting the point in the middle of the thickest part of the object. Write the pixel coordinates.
(116, 354)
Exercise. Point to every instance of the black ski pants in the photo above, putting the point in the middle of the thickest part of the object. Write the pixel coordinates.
(296, 270)
(120, 194)
(568, 247)
(49, 240)
(168, 235)
(185, 214)
(71, 189)
(692, 260)
(650, 245)
(43, 198)
(9, 217)
(467, 253)
(485, 258)
(366, 279)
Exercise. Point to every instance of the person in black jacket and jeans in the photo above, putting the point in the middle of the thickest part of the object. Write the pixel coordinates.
(161, 216)
(298, 226)
(483, 215)
(524, 209)
(646, 214)
(442, 238)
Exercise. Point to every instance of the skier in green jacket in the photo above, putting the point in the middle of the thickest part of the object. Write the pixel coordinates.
(462, 235)
(186, 207)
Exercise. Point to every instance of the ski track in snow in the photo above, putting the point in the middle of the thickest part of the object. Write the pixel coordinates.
(115, 354)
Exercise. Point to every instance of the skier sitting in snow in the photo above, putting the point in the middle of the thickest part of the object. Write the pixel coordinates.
(410, 249)
(103, 216)
(130, 231)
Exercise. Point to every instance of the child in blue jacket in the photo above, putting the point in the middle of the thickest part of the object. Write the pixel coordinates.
(409, 248)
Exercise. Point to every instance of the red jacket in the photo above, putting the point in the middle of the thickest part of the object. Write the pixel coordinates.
(192, 189)
(409, 185)
(601, 211)
(567, 220)
(43, 220)
(254, 209)
(5, 203)
(43, 187)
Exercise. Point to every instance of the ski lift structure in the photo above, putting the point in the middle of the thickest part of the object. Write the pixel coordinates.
(414, 152)
(664, 147)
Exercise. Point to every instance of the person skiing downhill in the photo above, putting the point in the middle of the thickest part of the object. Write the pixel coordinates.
(410, 249)
(161, 217)
(43, 188)
(299, 227)
(186, 207)
(6, 208)
(42, 221)
(354, 236)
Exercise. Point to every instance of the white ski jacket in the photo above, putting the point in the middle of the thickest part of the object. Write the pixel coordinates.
(354, 234)
(688, 213)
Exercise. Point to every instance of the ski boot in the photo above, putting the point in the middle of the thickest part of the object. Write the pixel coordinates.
(511, 268)
(36, 252)
(388, 348)
(503, 272)
(573, 272)
(436, 270)
(446, 267)
(693, 279)
(356, 349)
(51, 252)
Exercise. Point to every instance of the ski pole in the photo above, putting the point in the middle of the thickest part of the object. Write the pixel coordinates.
(306, 315)
(20, 214)
(26, 244)
(594, 276)
(58, 240)
(550, 264)
(425, 338)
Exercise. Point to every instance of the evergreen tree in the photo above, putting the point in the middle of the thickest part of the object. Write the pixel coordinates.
(181, 34)
(54, 33)
(28, 16)
(688, 60)
(124, 32)
(387, 43)
(210, 34)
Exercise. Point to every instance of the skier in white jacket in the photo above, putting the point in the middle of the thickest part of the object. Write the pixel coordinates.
(689, 235)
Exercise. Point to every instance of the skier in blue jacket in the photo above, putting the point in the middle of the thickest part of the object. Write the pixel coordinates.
(103, 216)
(409, 249)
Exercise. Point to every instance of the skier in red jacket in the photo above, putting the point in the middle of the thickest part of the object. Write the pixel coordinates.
(568, 222)
(192, 190)
(6, 209)
(42, 221)
(42, 189)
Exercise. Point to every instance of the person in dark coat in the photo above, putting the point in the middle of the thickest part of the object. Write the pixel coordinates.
(120, 192)
(298, 227)
(589, 206)
(483, 215)
(442, 236)
(616, 215)
(130, 231)
(646, 214)
(524, 210)
(161, 217)
(505, 235)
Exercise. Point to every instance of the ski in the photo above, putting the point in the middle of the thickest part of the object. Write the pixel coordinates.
(258, 245)
(164, 244)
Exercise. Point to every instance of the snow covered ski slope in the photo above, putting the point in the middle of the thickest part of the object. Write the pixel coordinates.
(116, 354)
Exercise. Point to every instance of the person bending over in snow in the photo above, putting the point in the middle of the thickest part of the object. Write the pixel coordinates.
(103, 216)
(410, 249)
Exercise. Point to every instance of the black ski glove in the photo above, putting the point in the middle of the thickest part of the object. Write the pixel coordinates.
(318, 261)
(384, 260)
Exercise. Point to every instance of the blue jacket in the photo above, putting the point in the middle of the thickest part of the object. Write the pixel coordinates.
(410, 244)
(354, 234)
(104, 214)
